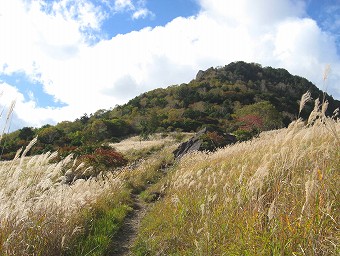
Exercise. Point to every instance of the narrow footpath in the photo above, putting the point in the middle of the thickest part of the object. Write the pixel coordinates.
(127, 235)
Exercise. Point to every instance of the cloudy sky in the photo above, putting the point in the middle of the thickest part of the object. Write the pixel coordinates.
(60, 59)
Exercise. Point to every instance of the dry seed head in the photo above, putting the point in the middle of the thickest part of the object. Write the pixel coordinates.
(29, 146)
(324, 108)
(326, 72)
(335, 113)
(315, 113)
(202, 206)
(76, 230)
(304, 99)
(213, 199)
(175, 199)
(309, 188)
(52, 156)
(80, 166)
(63, 241)
(271, 210)
(256, 181)
(240, 178)
(192, 183)
(225, 187)
(17, 154)
(239, 198)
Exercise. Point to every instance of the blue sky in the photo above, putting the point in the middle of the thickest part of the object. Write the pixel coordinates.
(161, 12)
(61, 59)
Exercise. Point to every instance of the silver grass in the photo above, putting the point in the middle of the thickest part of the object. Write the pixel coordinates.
(52, 156)
(309, 188)
(326, 72)
(28, 147)
(8, 118)
(271, 210)
(304, 99)
(324, 108)
(324, 78)
(315, 113)
(335, 113)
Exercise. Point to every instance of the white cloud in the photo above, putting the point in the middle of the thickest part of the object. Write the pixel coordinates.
(26, 112)
(84, 12)
(122, 5)
(51, 47)
(142, 14)
(136, 8)
(253, 13)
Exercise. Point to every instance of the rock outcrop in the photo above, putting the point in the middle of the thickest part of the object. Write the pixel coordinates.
(204, 140)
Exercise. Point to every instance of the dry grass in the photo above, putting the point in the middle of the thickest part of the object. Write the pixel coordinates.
(41, 215)
(134, 143)
(275, 195)
(155, 140)
(38, 214)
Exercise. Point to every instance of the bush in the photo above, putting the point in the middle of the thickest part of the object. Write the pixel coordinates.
(212, 141)
(243, 135)
(104, 159)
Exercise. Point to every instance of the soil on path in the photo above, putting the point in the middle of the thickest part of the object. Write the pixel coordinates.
(127, 235)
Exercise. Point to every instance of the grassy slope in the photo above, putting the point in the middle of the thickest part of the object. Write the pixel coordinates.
(41, 216)
(275, 195)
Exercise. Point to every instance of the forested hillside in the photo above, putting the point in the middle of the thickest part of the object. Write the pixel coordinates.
(241, 98)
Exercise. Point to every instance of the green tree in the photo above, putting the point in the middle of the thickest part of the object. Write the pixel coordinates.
(96, 131)
(118, 127)
(49, 134)
(270, 117)
(26, 133)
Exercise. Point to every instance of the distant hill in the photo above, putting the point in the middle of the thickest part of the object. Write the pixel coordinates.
(216, 96)
(242, 98)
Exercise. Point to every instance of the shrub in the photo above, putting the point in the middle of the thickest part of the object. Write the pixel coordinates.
(104, 159)
(212, 141)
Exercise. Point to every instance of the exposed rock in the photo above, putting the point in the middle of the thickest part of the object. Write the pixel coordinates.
(204, 140)
(199, 75)
(192, 144)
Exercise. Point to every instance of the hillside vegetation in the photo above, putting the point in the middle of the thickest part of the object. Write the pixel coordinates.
(42, 215)
(242, 98)
(277, 194)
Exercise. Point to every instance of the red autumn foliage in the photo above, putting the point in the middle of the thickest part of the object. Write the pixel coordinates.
(104, 158)
(251, 122)
(215, 137)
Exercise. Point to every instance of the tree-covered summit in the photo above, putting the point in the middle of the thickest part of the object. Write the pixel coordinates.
(240, 98)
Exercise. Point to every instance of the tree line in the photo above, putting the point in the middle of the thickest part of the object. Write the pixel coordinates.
(240, 98)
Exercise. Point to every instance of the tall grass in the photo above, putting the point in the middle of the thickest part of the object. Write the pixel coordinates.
(275, 195)
(39, 215)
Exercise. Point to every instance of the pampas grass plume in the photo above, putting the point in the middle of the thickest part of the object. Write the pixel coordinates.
(304, 99)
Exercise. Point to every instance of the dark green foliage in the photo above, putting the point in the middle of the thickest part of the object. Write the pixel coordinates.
(243, 135)
(213, 140)
(49, 135)
(26, 133)
(243, 98)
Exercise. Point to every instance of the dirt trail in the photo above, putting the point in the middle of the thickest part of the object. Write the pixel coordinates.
(128, 233)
